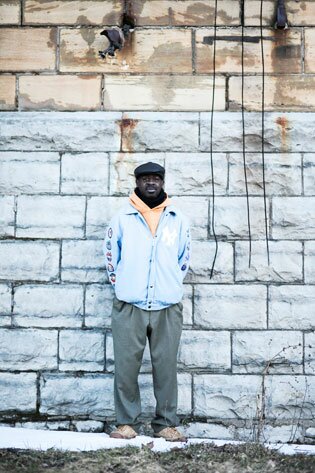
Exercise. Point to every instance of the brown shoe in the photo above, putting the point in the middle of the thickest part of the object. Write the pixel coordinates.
(171, 435)
(123, 432)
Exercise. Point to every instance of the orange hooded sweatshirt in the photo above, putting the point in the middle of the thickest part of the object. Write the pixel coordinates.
(151, 216)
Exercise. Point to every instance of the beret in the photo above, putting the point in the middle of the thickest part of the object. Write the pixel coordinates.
(150, 168)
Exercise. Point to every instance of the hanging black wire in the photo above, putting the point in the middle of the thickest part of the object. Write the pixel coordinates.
(263, 127)
(244, 138)
(211, 135)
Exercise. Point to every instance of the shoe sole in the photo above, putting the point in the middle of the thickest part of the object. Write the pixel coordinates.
(181, 439)
(121, 436)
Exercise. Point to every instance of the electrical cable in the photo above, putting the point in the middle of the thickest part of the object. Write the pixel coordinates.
(211, 135)
(244, 138)
(263, 127)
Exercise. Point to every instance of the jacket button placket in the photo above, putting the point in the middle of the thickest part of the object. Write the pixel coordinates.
(152, 274)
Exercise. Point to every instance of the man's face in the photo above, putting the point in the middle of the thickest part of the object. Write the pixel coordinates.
(150, 185)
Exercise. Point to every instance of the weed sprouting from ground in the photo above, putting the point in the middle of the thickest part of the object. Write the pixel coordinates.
(206, 458)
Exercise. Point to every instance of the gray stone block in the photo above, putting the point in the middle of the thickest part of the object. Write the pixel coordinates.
(231, 307)
(282, 434)
(283, 174)
(99, 212)
(267, 352)
(81, 350)
(309, 174)
(25, 260)
(28, 349)
(29, 173)
(209, 431)
(203, 253)
(205, 349)
(7, 216)
(160, 131)
(51, 131)
(89, 426)
(75, 396)
(48, 306)
(190, 173)
(290, 397)
(293, 218)
(224, 396)
(227, 132)
(292, 307)
(196, 209)
(18, 392)
(310, 353)
(5, 300)
(309, 262)
(98, 305)
(83, 261)
(50, 216)
(286, 261)
(85, 173)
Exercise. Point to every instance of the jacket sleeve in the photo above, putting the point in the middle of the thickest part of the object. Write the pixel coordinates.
(112, 249)
(184, 248)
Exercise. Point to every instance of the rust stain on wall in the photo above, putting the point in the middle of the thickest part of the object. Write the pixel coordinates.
(283, 122)
(127, 125)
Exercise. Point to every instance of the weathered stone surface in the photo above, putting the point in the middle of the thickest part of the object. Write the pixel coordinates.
(309, 262)
(184, 393)
(202, 260)
(230, 217)
(286, 261)
(292, 307)
(191, 93)
(24, 260)
(267, 352)
(98, 305)
(176, 13)
(17, 49)
(29, 173)
(293, 217)
(28, 349)
(187, 304)
(310, 432)
(282, 174)
(196, 209)
(7, 216)
(284, 132)
(48, 306)
(81, 350)
(122, 166)
(83, 12)
(223, 396)
(212, 431)
(10, 12)
(63, 425)
(281, 93)
(60, 92)
(69, 395)
(298, 13)
(149, 50)
(309, 174)
(205, 349)
(18, 392)
(99, 212)
(283, 434)
(159, 131)
(81, 131)
(83, 261)
(310, 353)
(290, 397)
(89, 426)
(50, 216)
(5, 299)
(198, 181)
(85, 173)
(7, 90)
(309, 50)
(230, 307)
(282, 53)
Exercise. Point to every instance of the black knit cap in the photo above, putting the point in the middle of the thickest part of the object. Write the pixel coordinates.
(150, 168)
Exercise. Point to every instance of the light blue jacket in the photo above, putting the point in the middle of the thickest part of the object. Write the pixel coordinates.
(147, 271)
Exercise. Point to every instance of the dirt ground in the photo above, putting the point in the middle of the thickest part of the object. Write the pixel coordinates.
(249, 458)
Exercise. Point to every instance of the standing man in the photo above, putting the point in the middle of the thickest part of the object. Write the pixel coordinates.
(147, 249)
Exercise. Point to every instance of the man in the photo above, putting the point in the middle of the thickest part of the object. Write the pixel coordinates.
(147, 249)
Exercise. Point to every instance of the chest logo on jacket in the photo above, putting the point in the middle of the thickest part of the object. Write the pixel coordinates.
(169, 237)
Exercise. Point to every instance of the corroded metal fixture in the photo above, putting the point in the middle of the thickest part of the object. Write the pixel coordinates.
(281, 16)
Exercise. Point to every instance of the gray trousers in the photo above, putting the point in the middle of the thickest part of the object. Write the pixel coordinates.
(131, 327)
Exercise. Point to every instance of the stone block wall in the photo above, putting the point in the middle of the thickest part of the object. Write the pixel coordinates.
(73, 128)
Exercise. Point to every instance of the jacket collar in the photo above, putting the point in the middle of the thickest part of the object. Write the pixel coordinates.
(130, 209)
